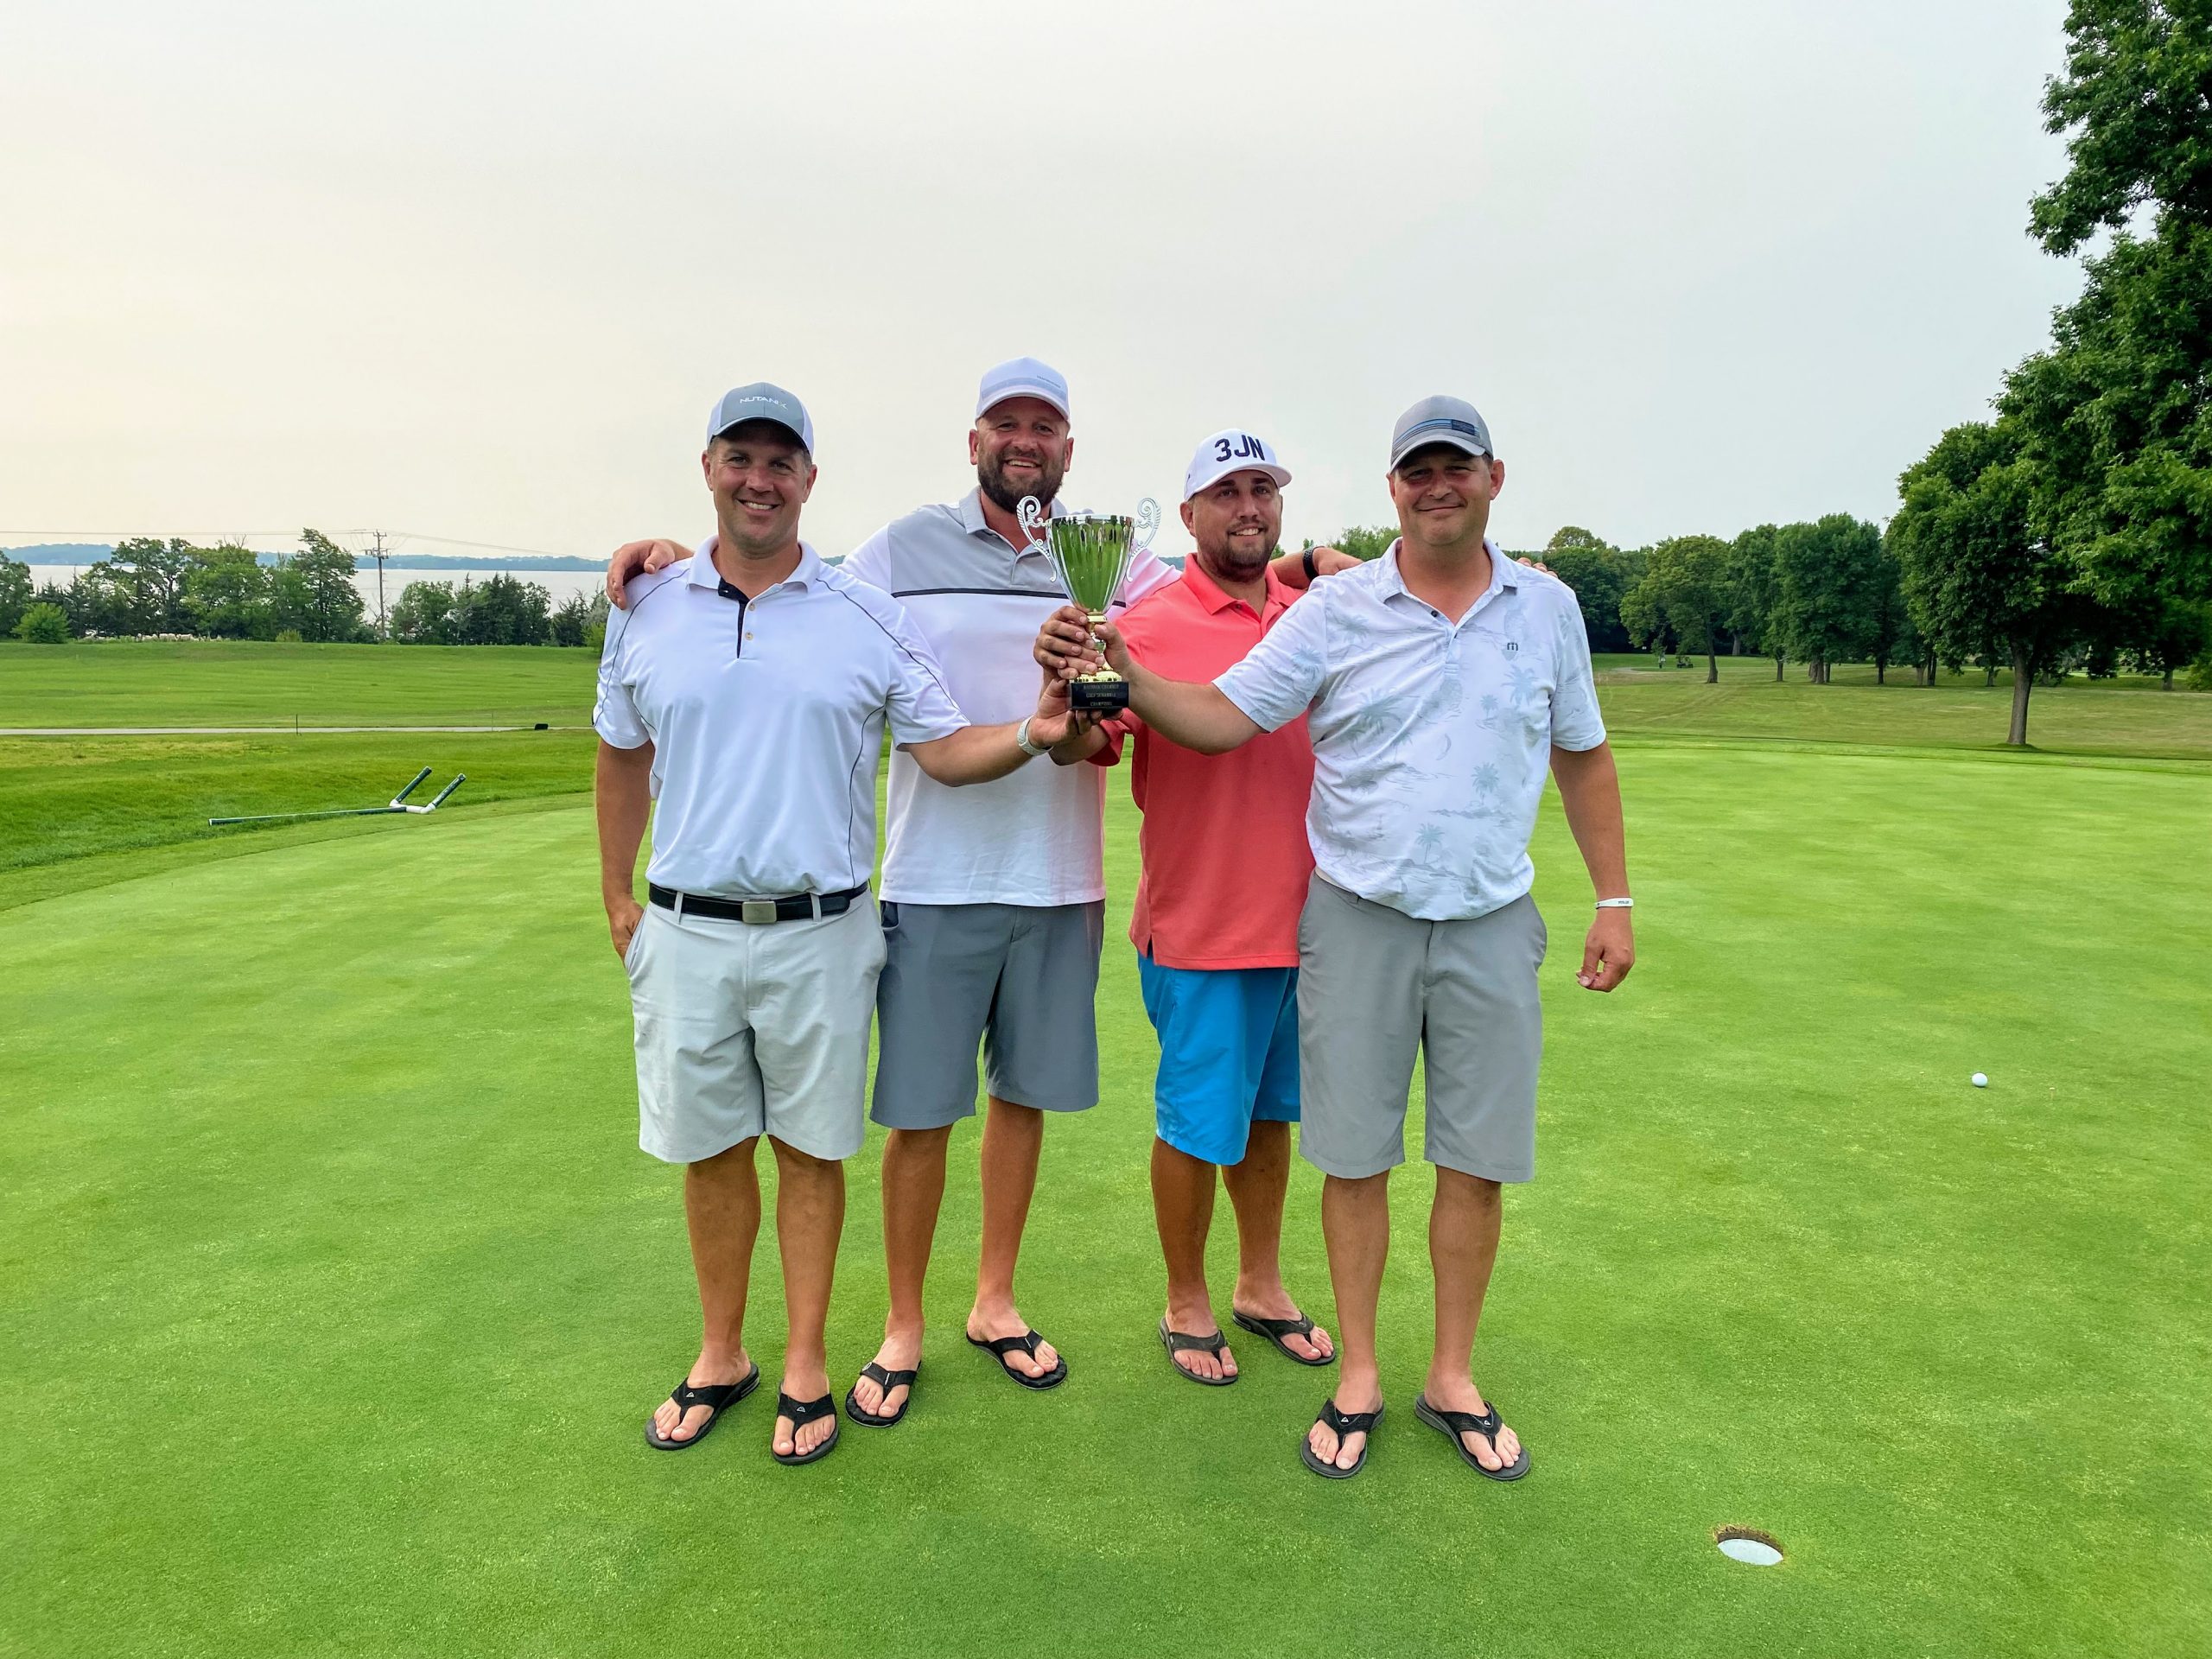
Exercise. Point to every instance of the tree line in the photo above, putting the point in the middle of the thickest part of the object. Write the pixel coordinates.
(151, 587)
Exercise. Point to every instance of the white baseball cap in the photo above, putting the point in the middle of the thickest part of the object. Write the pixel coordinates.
(762, 401)
(1231, 450)
(1022, 377)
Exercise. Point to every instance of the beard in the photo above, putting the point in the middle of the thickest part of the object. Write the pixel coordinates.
(1233, 562)
(990, 475)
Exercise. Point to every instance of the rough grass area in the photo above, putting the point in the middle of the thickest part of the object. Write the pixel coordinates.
(249, 682)
(67, 797)
(333, 1291)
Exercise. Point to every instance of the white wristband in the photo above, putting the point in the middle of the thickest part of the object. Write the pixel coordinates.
(1021, 740)
(1617, 904)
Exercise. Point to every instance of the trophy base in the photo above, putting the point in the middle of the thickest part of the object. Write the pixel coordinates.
(1100, 694)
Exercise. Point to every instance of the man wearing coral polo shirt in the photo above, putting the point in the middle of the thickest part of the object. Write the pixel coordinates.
(1226, 869)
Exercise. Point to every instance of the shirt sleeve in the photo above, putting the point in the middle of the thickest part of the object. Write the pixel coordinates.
(614, 714)
(1279, 677)
(921, 707)
(1576, 723)
(866, 562)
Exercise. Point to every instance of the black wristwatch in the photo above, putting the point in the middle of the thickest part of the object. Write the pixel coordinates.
(1313, 574)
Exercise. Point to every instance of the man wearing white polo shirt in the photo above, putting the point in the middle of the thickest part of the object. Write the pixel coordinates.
(749, 689)
(993, 898)
(1439, 683)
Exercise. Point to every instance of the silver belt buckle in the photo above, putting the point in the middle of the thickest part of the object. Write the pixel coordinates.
(756, 910)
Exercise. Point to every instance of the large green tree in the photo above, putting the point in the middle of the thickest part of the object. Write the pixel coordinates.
(2118, 413)
(1826, 573)
(1755, 586)
(1981, 579)
(423, 615)
(330, 606)
(226, 591)
(14, 592)
(1600, 575)
(1891, 635)
(1686, 587)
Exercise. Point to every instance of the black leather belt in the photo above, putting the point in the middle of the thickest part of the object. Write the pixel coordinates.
(795, 907)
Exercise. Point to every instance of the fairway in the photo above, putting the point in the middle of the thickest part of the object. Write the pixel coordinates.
(256, 682)
(335, 1290)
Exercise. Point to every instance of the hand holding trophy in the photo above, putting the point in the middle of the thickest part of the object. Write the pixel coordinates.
(1091, 553)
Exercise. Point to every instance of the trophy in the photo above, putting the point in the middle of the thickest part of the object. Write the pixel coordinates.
(1091, 553)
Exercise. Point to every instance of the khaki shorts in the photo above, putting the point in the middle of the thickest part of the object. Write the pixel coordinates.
(745, 1030)
(1374, 988)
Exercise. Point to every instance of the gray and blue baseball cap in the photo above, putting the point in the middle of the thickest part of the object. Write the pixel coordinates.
(762, 401)
(1022, 377)
(1441, 420)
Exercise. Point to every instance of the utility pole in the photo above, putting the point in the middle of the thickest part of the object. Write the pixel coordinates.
(384, 624)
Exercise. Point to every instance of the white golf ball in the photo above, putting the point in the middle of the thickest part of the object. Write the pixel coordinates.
(1980, 1081)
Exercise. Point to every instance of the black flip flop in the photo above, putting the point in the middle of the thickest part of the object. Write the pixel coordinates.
(718, 1397)
(1276, 1329)
(886, 1380)
(1182, 1342)
(802, 1412)
(1453, 1424)
(1344, 1422)
(999, 1347)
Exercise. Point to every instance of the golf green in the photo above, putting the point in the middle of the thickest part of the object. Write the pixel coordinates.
(335, 1291)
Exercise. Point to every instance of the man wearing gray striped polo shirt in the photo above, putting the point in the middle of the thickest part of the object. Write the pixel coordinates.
(1441, 682)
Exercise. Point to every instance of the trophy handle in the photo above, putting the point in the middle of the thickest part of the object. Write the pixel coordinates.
(1147, 526)
(1033, 515)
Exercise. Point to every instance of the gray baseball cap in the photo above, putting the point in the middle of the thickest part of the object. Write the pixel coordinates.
(762, 401)
(1441, 420)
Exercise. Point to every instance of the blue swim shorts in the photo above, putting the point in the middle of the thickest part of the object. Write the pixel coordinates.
(1228, 1053)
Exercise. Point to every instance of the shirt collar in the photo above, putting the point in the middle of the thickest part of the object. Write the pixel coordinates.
(971, 512)
(704, 573)
(1503, 577)
(1210, 593)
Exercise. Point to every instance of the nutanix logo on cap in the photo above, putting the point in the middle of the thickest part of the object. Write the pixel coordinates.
(762, 401)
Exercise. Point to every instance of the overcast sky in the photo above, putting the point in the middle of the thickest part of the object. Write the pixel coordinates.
(479, 271)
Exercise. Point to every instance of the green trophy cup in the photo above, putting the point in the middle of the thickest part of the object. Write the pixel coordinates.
(1091, 552)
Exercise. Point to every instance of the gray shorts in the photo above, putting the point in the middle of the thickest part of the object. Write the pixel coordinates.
(743, 1031)
(1020, 979)
(1375, 986)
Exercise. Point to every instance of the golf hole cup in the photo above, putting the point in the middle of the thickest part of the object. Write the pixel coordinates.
(1091, 553)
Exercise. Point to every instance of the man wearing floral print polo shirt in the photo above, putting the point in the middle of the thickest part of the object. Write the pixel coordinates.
(1441, 680)
(1225, 868)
